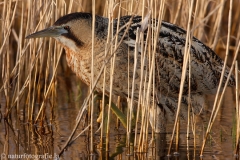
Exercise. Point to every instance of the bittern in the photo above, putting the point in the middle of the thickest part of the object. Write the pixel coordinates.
(73, 31)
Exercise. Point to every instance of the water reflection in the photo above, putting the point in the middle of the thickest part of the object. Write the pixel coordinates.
(17, 136)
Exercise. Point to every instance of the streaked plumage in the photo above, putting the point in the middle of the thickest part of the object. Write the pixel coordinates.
(73, 31)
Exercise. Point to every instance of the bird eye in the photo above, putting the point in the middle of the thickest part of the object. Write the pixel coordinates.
(66, 27)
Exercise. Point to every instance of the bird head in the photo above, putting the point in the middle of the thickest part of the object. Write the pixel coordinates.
(72, 30)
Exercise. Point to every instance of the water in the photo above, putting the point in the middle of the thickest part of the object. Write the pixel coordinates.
(20, 138)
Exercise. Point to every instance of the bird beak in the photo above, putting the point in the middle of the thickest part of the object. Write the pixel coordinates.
(48, 32)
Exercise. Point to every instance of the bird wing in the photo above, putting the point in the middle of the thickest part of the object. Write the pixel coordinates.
(206, 66)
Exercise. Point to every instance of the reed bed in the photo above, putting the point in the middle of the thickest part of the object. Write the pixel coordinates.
(30, 68)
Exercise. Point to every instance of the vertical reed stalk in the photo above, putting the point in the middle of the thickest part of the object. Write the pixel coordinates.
(111, 83)
(92, 75)
(237, 110)
(184, 69)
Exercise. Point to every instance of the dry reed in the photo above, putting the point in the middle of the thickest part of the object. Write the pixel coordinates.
(29, 68)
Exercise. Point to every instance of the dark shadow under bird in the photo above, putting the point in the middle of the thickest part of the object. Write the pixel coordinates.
(74, 32)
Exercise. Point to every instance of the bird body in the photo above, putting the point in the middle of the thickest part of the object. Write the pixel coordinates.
(73, 31)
